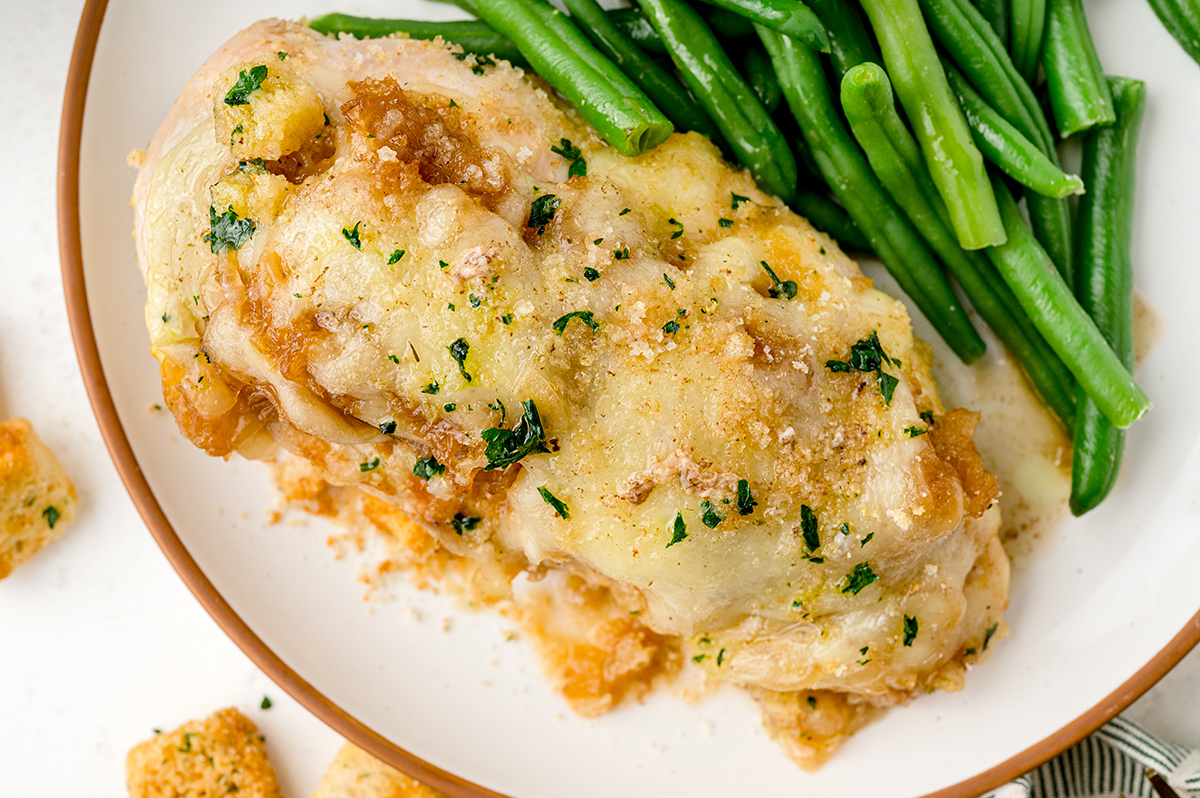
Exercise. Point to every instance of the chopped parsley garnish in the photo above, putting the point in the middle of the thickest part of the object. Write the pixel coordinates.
(621, 254)
(266, 703)
(541, 211)
(464, 523)
(913, 432)
(867, 539)
(442, 264)
(432, 388)
(720, 657)
(670, 283)
(844, 528)
(860, 577)
(387, 427)
(927, 417)
(725, 222)
(506, 318)
(624, 211)
(248, 81)
(584, 316)
(481, 61)
(808, 528)
(228, 231)
(394, 359)
(910, 630)
(590, 274)
(698, 658)
(428, 467)
(351, 235)
(474, 300)
(710, 517)
(676, 224)
(51, 514)
(395, 257)
(234, 134)
(812, 702)
(560, 508)
(458, 351)
(281, 55)
(987, 636)
(745, 499)
(786, 288)
(678, 530)
(866, 356)
(187, 742)
(671, 327)
(736, 200)
(370, 465)
(450, 407)
(570, 152)
(507, 446)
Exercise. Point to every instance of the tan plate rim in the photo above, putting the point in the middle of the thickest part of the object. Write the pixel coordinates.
(88, 354)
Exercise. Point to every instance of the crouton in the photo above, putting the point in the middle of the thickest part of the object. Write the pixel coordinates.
(37, 499)
(202, 759)
(357, 774)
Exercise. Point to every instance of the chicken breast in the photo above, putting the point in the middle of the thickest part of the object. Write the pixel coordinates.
(420, 271)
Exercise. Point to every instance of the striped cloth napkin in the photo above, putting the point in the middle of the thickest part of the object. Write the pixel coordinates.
(1112, 762)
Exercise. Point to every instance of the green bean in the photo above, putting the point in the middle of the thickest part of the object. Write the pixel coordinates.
(789, 17)
(1025, 38)
(633, 24)
(617, 108)
(472, 35)
(855, 186)
(953, 159)
(1052, 308)
(727, 24)
(849, 42)
(831, 218)
(1181, 18)
(662, 88)
(745, 124)
(896, 159)
(973, 46)
(1104, 280)
(996, 12)
(1003, 145)
(1079, 94)
(756, 68)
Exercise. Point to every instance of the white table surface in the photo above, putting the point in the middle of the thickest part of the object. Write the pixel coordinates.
(100, 642)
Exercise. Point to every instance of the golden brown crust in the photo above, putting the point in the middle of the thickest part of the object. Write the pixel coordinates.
(356, 774)
(952, 439)
(222, 754)
(37, 499)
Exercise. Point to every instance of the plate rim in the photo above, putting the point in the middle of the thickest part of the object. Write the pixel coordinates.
(121, 452)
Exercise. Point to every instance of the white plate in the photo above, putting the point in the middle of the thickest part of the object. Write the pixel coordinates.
(1106, 599)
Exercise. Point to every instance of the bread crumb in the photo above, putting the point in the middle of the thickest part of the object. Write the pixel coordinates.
(37, 499)
(356, 774)
(219, 755)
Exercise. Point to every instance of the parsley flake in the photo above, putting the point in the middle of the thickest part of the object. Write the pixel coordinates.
(464, 523)
(506, 318)
(507, 446)
(51, 514)
(860, 577)
(458, 351)
(621, 254)
(352, 235)
(867, 539)
(670, 283)
(785, 288)
(432, 388)
(913, 432)
(542, 210)
(228, 231)
(570, 152)
(745, 499)
(370, 465)
(844, 528)
(388, 427)
(624, 211)
(887, 387)
(394, 359)
(808, 528)
(395, 257)
(812, 702)
(678, 530)
(428, 467)
(450, 407)
(710, 517)
(987, 636)
(266, 703)
(281, 55)
(725, 222)
(867, 355)
(736, 199)
(910, 630)
(560, 509)
(584, 316)
(676, 224)
(248, 82)
(590, 274)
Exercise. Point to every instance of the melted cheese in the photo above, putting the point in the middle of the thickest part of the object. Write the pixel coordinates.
(398, 237)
